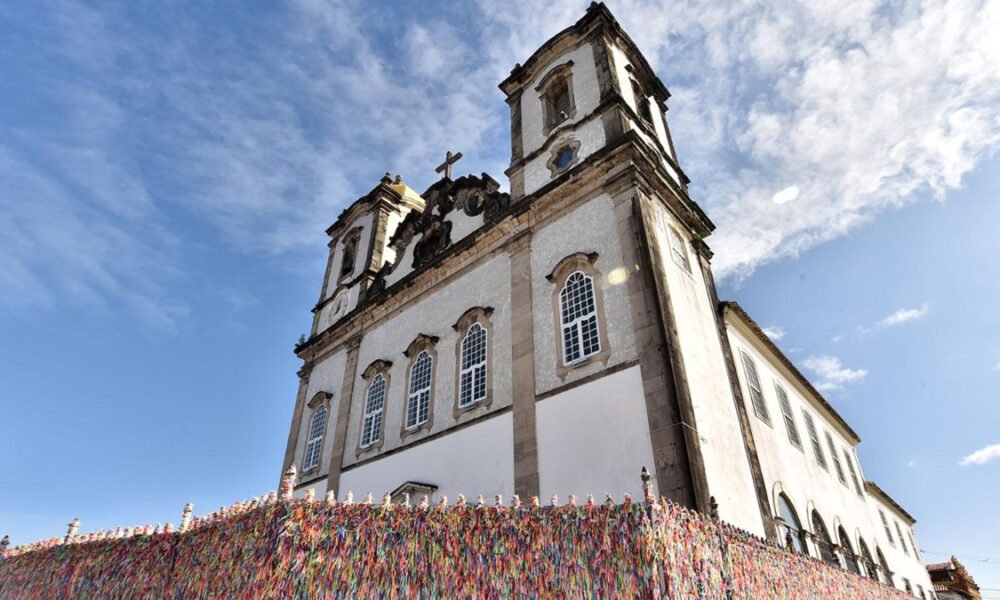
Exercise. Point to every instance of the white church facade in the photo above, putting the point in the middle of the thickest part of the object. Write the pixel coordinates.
(558, 338)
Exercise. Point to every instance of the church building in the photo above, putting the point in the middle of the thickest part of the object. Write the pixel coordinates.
(559, 337)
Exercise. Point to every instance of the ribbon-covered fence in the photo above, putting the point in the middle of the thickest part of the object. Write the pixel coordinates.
(280, 547)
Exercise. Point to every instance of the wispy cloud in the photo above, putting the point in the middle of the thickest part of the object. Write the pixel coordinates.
(904, 315)
(982, 456)
(775, 332)
(911, 464)
(832, 375)
(996, 368)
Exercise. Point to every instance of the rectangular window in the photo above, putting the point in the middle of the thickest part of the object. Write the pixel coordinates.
(836, 459)
(853, 472)
(314, 444)
(756, 394)
(913, 544)
(678, 250)
(902, 540)
(814, 439)
(786, 412)
(888, 531)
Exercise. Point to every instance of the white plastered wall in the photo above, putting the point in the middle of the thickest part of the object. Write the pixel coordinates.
(487, 285)
(478, 459)
(590, 227)
(796, 473)
(594, 438)
(722, 446)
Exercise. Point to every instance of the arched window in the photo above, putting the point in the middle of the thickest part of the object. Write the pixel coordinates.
(641, 103)
(866, 559)
(472, 375)
(578, 310)
(350, 252)
(419, 401)
(792, 536)
(555, 91)
(371, 429)
(850, 559)
(886, 573)
(823, 541)
(314, 443)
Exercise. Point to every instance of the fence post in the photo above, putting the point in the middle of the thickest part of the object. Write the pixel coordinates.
(186, 517)
(4, 543)
(74, 525)
(288, 482)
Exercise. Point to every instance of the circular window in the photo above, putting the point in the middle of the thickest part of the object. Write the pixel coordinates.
(564, 157)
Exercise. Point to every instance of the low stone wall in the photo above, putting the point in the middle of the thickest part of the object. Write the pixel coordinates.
(324, 549)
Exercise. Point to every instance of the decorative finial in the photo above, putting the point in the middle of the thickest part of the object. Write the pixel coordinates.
(398, 180)
(713, 508)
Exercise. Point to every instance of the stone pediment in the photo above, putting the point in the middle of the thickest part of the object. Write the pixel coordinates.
(462, 205)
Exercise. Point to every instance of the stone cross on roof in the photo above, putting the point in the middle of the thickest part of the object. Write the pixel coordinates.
(449, 160)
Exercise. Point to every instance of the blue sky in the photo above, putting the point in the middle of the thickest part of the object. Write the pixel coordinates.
(167, 171)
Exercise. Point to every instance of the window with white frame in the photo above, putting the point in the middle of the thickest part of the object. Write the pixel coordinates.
(814, 439)
(902, 540)
(885, 524)
(789, 416)
(371, 429)
(853, 472)
(472, 375)
(578, 312)
(678, 250)
(756, 393)
(913, 544)
(314, 443)
(836, 458)
(419, 400)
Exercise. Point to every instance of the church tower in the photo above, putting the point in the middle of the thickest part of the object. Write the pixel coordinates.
(587, 105)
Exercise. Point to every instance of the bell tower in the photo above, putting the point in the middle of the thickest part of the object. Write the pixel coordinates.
(584, 92)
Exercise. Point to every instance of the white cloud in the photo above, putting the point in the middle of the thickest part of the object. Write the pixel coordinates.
(774, 332)
(831, 373)
(786, 195)
(996, 368)
(982, 456)
(911, 465)
(903, 315)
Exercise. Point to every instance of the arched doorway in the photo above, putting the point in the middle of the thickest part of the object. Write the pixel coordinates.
(823, 541)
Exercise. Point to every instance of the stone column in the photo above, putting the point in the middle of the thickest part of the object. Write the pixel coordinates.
(523, 368)
(343, 414)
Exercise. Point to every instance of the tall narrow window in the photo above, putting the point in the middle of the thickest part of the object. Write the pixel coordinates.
(678, 250)
(814, 439)
(789, 416)
(314, 443)
(907, 586)
(371, 430)
(902, 540)
(641, 103)
(850, 559)
(558, 97)
(886, 573)
(853, 472)
(753, 382)
(793, 534)
(579, 318)
(885, 524)
(836, 458)
(866, 559)
(913, 545)
(419, 401)
(350, 253)
(823, 541)
(472, 376)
